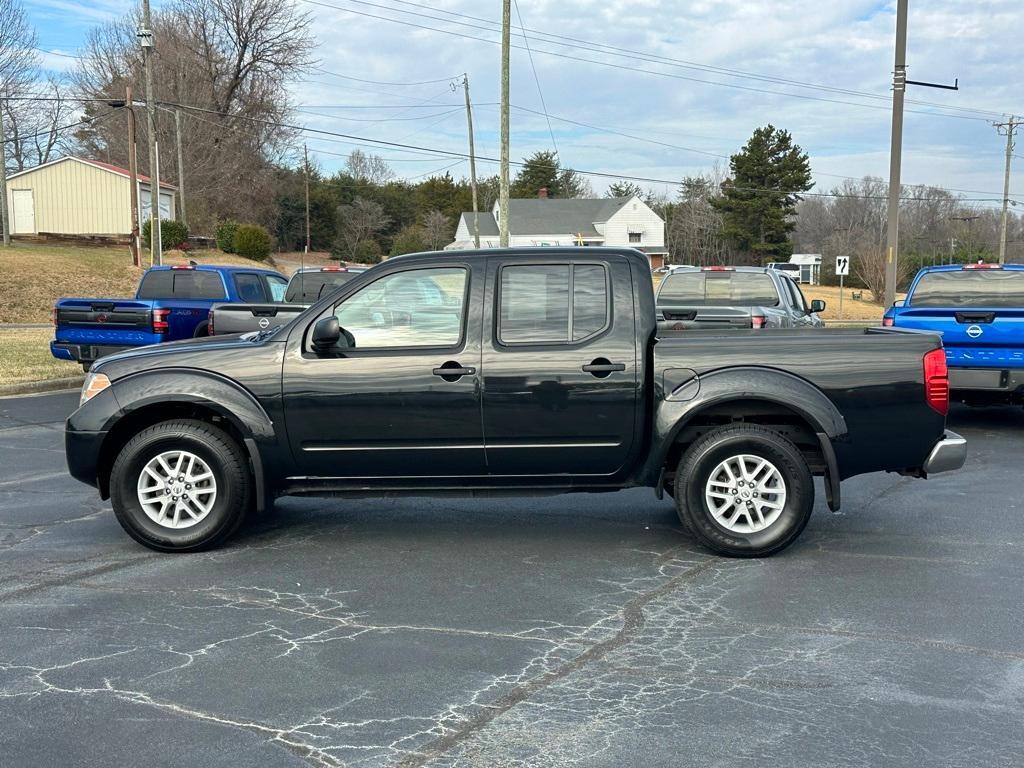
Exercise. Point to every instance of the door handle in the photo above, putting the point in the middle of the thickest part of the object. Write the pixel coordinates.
(601, 367)
(453, 371)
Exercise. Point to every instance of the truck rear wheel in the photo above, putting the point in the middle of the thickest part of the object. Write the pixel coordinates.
(744, 491)
(180, 486)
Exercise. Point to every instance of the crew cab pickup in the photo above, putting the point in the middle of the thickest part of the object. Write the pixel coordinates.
(517, 371)
(171, 303)
(306, 286)
(979, 311)
(732, 298)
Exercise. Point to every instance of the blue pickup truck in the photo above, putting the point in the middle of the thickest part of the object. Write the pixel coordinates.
(979, 310)
(171, 303)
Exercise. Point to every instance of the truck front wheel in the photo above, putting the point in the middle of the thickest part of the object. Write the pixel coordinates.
(180, 486)
(744, 491)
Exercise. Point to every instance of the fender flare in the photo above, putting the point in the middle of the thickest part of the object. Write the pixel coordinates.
(677, 408)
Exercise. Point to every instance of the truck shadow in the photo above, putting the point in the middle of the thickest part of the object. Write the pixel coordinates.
(985, 417)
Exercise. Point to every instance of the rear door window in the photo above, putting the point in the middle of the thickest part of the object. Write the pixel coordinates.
(719, 289)
(996, 288)
(249, 287)
(308, 287)
(182, 284)
(552, 303)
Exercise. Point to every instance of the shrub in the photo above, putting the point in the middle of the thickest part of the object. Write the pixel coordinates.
(252, 241)
(368, 252)
(225, 235)
(172, 233)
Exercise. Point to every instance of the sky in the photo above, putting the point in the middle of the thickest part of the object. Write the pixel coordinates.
(640, 87)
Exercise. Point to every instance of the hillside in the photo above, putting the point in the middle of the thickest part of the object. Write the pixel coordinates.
(33, 276)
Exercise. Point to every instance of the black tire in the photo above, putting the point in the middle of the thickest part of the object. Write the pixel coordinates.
(222, 455)
(706, 454)
(202, 331)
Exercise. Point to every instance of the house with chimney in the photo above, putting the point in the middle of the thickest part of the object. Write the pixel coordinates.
(547, 221)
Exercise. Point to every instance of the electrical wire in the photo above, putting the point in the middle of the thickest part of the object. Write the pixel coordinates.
(536, 79)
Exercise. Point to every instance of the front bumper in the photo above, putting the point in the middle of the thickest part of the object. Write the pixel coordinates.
(82, 451)
(949, 454)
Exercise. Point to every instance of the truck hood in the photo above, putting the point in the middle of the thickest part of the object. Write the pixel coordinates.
(206, 352)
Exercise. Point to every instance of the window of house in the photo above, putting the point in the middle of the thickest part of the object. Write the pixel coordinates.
(635, 237)
(552, 303)
(416, 308)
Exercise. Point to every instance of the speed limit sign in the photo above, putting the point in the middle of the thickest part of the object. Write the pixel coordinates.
(842, 266)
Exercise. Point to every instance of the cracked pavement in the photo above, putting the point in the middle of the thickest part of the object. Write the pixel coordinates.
(566, 631)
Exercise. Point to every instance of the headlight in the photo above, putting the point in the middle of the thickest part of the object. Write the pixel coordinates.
(94, 384)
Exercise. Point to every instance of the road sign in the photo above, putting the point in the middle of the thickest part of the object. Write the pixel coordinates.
(842, 266)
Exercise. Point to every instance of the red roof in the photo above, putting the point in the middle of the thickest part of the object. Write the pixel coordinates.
(124, 172)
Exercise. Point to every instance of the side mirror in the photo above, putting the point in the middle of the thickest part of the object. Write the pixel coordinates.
(899, 302)
(326, 333)
(817, 306)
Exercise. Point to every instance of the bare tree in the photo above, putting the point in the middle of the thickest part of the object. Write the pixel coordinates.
(437, 230)
(35, 129)
(694, 226)
(19, 59)
(369, 169)
(358, 223)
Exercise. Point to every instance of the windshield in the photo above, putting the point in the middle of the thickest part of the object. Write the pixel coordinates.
(970, 288)
(719, 289)
(308, 287)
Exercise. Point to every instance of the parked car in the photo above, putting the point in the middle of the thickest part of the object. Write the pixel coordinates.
(734, 297)
(517, 371)
(979, 310)
(171, 303)
(305, 287)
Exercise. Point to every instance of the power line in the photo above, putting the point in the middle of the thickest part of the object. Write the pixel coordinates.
(380, 82)
(637, 56)
(536, 79)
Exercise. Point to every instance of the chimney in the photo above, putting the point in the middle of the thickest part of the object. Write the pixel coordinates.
(542, 193)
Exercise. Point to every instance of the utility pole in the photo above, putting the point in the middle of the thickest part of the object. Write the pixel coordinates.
(506, 44)
(182, 215)
(5, 224)
(472, 163)
(133, 173)
(305, 156)
(1010, 128)
(899, 87)
(146, 41)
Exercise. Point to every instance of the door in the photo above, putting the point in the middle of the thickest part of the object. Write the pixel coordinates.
(561, 376)
(23, 212)
(399, 395)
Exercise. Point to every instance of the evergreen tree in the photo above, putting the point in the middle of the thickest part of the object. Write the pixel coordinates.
(624, 189)
(759, 200)
(542, 170)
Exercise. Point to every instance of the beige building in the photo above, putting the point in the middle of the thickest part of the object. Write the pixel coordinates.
(72, 196)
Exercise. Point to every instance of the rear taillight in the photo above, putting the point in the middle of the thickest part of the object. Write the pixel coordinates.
(209, 323)
(55, 321)
(757, 321)
(160, 324)
(888, 322)
(936, 380)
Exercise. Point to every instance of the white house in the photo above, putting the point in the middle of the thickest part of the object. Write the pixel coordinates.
(616, 221)
(810, 266)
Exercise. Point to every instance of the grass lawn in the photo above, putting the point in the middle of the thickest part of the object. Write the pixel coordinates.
(33, 277)
(25, 356)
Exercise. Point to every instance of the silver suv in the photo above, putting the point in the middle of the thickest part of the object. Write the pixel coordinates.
(734, 297)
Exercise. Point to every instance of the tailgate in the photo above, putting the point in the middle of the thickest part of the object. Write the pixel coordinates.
(243, 318)
(709, 318)
(104, 313)
(972, 337)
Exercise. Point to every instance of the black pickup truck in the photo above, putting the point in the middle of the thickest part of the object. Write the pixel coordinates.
(516, 371)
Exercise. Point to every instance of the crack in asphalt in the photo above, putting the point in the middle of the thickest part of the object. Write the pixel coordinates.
(633, 621)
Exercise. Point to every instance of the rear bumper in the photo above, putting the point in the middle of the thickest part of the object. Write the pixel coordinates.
(949, 454)
(83, 353)
(964, 379)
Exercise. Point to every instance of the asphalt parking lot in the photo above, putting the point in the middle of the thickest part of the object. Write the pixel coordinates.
(583, 630)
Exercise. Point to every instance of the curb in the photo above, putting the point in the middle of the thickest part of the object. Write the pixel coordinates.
(33, 387)
(23, 326)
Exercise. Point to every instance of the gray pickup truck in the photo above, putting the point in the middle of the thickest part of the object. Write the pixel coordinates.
(306, 287)
(722, 298)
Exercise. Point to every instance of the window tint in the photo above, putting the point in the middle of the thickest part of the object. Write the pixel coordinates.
(552, 303)
(182, 284)
(418, 308)
(793, 295)
(249, 287)
(970, 288)
(719, 289)
(308, 287)
(277, 287)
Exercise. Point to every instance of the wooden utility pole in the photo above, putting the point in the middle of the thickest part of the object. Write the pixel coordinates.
(472, 164)
(5, 223)
(1010, 127)
(133, 173)
(503, 192)
(182, 215)
(899, 87)
(146, 41)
